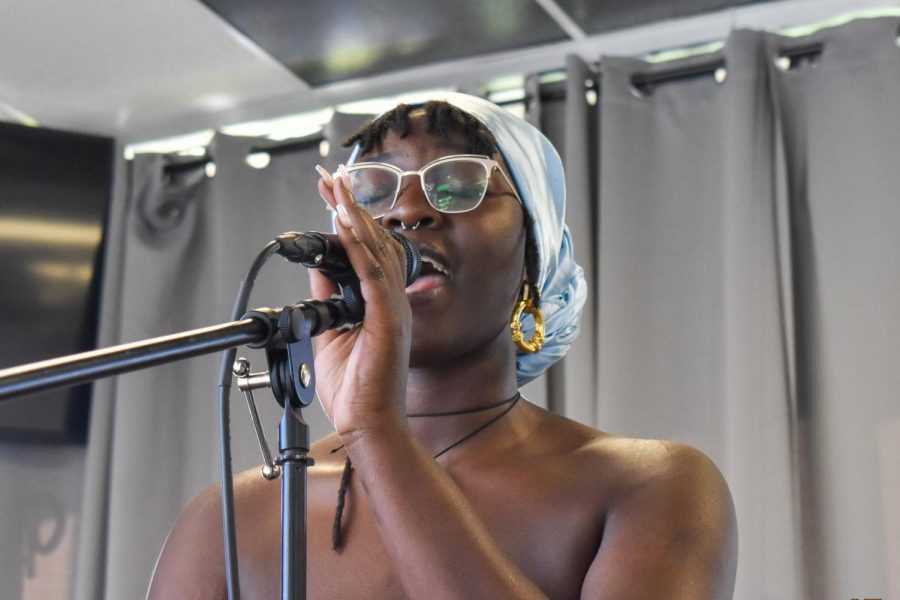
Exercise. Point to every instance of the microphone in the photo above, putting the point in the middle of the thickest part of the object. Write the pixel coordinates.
(323, 251)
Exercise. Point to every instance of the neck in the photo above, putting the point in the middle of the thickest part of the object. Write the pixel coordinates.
(477, 379)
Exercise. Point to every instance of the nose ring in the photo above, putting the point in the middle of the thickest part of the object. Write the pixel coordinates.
(404, 226)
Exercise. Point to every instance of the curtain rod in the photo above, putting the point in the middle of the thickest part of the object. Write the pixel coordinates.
(643, 81)
(801, 51)
(273, 149)
(554, 90)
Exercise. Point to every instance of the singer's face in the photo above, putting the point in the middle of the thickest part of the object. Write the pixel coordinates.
(473, 262)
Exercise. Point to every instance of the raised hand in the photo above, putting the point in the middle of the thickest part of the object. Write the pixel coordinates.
(362, 372)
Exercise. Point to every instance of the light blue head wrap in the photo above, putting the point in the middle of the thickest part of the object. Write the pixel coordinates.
(537, 172)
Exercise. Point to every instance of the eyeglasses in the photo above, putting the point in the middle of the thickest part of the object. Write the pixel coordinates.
(452, 184)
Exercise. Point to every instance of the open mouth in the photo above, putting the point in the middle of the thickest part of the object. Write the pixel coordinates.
(433, 266)
(434, 272)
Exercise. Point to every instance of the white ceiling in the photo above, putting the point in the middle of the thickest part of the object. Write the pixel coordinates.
(141, 70)
(121, 66)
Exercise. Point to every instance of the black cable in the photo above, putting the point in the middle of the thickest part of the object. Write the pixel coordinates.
(225, 375)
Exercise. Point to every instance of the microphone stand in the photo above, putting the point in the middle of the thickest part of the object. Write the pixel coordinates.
(286, 334)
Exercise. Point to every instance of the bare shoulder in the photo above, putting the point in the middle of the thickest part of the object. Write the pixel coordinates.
(672, 516)
(191, 564)
(660, 465)
(668, 525)
(628, 465)
(630, 459)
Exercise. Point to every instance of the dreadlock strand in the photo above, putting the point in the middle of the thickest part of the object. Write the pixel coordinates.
(336, 540)
(400, 121)
(431, 117)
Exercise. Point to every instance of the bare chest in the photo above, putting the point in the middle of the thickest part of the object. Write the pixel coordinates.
(550, 528)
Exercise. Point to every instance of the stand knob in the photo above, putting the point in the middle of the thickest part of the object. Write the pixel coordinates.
(247, 382)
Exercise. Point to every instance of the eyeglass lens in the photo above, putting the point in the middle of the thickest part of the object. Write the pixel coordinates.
(450, 187)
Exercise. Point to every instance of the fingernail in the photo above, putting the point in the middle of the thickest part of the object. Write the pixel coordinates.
(328, 206)
(343, 217)
(344, 176)
(326, 176)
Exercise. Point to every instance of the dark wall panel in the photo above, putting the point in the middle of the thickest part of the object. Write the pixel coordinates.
(328, 41)
(607, 15)
(54, 195)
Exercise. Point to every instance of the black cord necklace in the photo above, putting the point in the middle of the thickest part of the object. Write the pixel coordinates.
(345, 476)
(466, 411)
(512, 404)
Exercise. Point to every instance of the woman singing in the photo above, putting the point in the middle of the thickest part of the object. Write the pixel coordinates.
(441, 480)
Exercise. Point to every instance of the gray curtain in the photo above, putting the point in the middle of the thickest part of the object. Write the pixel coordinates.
(748, 293)
(841, 143)
(179, 244)
(567, 114)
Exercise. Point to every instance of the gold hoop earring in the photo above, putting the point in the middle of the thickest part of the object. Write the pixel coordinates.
(526, 304)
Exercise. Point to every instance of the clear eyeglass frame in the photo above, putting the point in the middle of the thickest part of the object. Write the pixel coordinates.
(489, 164)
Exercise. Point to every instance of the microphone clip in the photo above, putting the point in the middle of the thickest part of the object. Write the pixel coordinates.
(323, 252)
